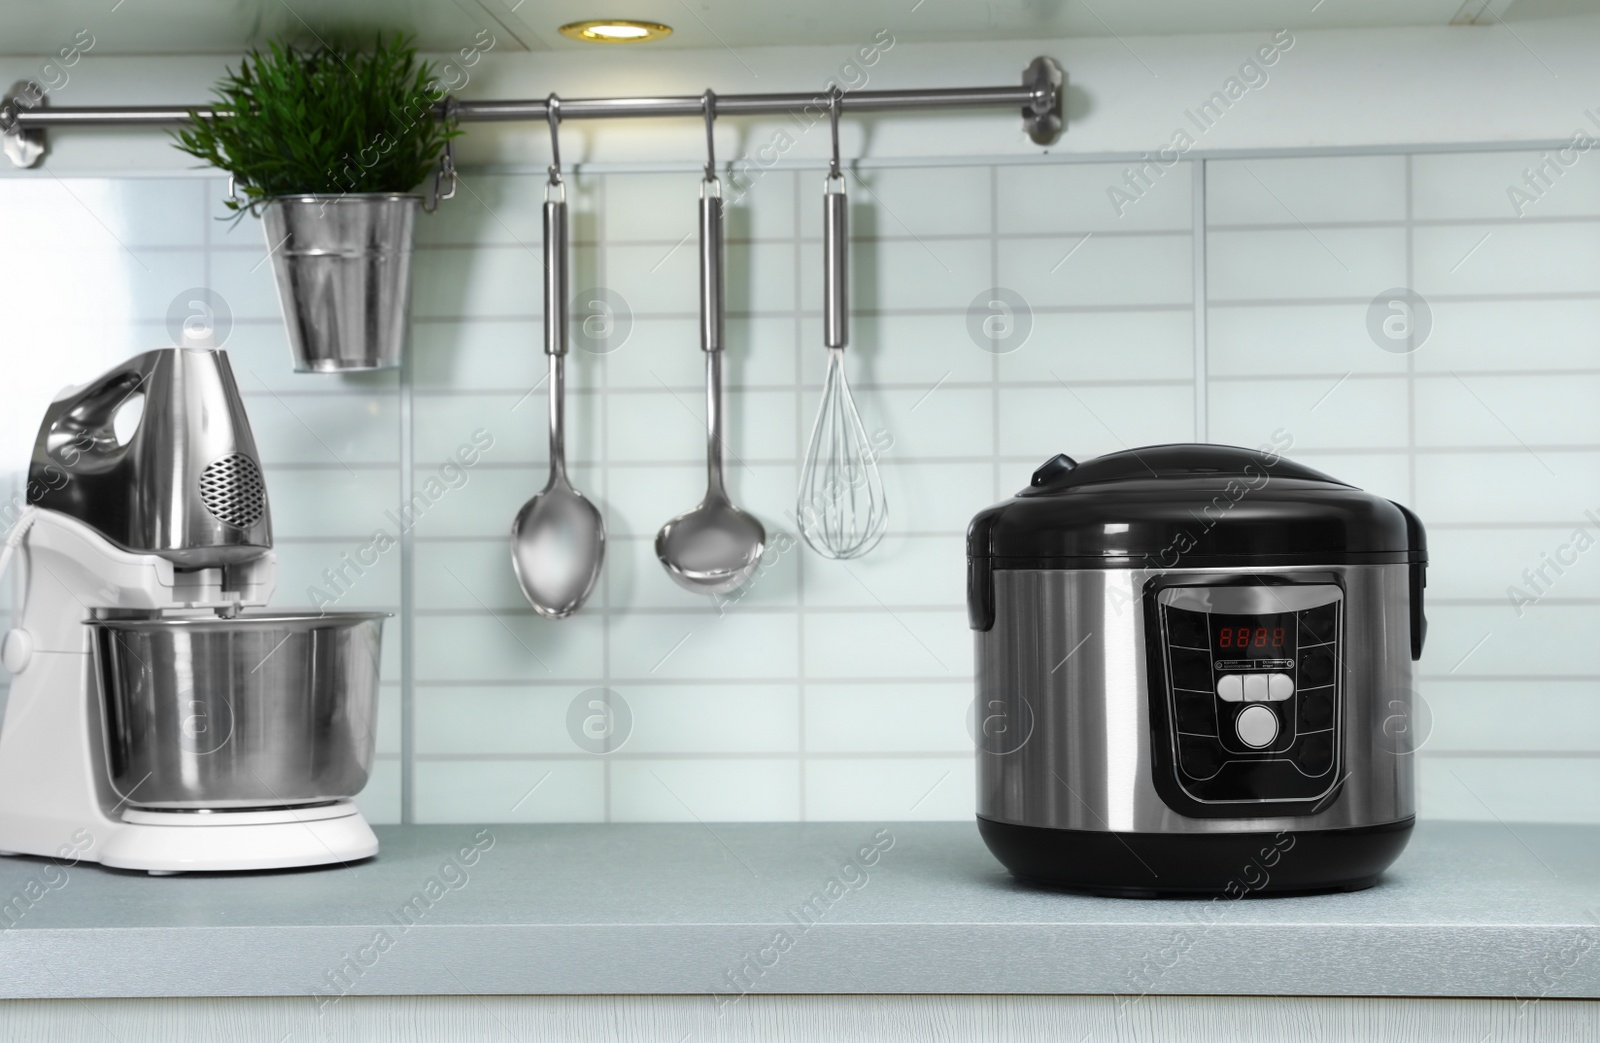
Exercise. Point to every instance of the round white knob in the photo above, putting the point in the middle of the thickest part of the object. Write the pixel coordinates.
(1257, 726)
(16, 650)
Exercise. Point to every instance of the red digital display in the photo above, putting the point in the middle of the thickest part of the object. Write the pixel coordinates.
(1250, 637)
(1253, 637)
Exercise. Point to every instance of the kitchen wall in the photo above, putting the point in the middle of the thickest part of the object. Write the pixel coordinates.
(840, 690)
(1299, 221)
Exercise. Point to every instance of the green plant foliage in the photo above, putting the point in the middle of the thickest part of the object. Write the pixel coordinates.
(325, 120)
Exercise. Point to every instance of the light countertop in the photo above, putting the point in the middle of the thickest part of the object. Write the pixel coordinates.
(1469, 910)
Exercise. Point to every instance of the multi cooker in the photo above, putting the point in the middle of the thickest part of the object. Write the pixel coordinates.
(1194, 673)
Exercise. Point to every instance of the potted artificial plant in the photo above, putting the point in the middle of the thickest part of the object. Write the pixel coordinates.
(328, 145)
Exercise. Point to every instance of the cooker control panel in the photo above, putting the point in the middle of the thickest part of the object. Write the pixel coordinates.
(1246, 707)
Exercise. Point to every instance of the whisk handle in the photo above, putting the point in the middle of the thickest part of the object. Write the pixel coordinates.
(835, 272)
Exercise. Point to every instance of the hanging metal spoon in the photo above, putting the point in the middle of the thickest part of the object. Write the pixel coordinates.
(713, 548)
(558, 540)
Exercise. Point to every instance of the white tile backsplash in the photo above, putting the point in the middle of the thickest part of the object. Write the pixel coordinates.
(1547, 640)
(350, 501)
(492, 720)
(1105, 271)
(524, 790)
(1299, 263)
(913, 570)
(1476, 186)
(1529, 335)
(691, 719)
(1507, 259)
(1073, 199)
(704, 790)
(1091, 419)
(683, 646)
(1508, 486)
(862, 718)
(840, 690)
(1131, 345)
(1306, 190)
(1469, 717)
(1318, 412)
(1509, 788)
(908, 273)
(243, 276)
(917, 201)
(883, 642)
(494, 646)
(1501, 410)
(890, 790)
(1294, 339)
(1488, 564)
(325, 430)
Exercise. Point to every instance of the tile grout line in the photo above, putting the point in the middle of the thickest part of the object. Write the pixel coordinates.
(1411, 356)
(581, 464)
(919, 682)
(994, 360)
(206, 245)
(1202, 360)
(902, 756)
(801, 443)
(602, 182)
(408, 593)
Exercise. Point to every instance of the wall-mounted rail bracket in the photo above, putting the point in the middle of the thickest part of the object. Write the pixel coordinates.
(1045, 117)
(24, 146)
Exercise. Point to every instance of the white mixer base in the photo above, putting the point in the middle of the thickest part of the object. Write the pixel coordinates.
(162, 842)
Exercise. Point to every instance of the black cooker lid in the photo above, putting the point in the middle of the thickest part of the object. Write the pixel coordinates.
(1191, 506)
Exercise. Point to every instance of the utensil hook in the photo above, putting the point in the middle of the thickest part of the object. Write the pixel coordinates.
(447, 162)
(552, 110)
(708, 102)
(835, 99)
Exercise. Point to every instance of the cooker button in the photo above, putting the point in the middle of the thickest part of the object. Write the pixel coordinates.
(1257, 726)
(1191, 669)
(1187, 629)
(1196, 714)
(1199, 757)
(1316, 710)
(1316, 668)
(1317, 625)
(1279, 687)
(1230, 688)
(1315, 754)
(1255, 688)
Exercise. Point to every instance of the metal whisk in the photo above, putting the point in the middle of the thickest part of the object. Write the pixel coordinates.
(840, 509)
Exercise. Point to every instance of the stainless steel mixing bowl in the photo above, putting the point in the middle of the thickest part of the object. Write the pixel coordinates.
(252, 711)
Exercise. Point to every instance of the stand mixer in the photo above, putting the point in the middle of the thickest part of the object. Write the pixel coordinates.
(154, 723)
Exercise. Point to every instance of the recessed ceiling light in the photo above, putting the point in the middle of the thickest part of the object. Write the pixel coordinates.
(616, 30)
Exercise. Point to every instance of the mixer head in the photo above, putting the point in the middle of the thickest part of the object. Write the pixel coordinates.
(185, 484)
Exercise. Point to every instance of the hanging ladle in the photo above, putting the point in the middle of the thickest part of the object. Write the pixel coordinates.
(558, 540)
(713, 548)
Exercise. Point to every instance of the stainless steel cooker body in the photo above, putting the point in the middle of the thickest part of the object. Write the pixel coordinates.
(1076, 702)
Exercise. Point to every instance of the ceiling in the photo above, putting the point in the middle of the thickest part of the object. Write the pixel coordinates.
(29, 28)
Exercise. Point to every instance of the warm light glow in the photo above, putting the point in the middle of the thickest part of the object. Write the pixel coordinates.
(616, 30)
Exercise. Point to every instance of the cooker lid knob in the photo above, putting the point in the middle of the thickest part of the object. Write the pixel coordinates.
(1052, 469)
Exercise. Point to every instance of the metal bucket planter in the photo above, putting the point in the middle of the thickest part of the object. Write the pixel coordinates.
(343, 268)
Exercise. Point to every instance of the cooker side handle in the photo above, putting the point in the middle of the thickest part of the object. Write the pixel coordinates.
(980, 571)
(980, 593)
(1417, 544)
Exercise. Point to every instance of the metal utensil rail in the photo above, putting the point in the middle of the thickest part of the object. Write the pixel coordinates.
(24, 118)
